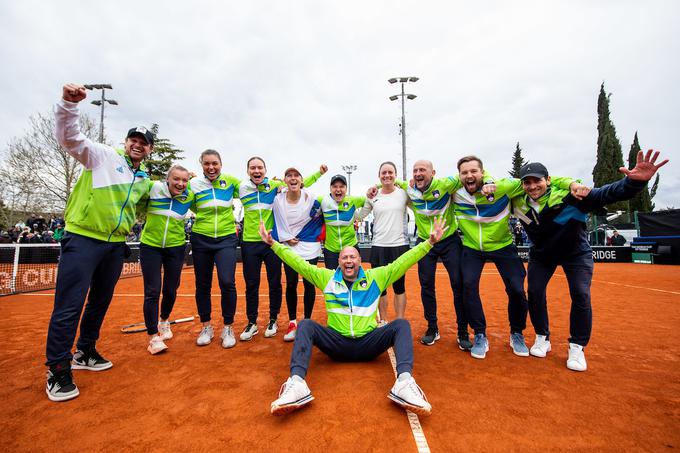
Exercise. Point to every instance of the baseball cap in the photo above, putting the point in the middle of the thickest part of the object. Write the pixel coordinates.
(291, 170)
(533, 169)
(337, 178)
(143, 132)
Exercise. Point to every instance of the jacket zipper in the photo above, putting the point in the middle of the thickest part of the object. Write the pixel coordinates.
(120, 215)
(479, 226)
(215, 201)
(351, 319)
(167, 222)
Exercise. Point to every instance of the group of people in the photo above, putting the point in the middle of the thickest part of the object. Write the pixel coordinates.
(461, 219)
(36, 230)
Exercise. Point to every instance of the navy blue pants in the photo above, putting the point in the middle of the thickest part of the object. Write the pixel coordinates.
(207, 253)
(330, 259)
(344, 349)
(291, 292)
(449, 250)
(84, 264)
(512, 271)
(254, 254)
(579, 272)
(152, 260)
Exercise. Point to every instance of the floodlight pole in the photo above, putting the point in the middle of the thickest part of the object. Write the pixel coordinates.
(349, 169)
(402, 129)
(101, 103)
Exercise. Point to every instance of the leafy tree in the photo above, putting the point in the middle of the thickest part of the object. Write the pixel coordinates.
(162, 157)
(517, 161)
(642, 201)
(41, 171)
(609, 155)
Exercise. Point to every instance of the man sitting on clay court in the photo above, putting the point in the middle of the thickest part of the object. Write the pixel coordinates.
(352, 296)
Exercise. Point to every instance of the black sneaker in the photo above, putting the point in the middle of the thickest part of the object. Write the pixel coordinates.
(464, 342)
(60, 385)
(90, 360)
(431, 335)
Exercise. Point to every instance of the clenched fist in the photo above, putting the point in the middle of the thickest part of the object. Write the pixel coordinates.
(73, 92)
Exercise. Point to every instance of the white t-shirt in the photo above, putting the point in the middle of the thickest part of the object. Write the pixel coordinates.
(388, 217)
(297, 217)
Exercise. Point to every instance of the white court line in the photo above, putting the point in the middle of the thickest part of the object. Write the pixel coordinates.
(630, 286)
(416, 429)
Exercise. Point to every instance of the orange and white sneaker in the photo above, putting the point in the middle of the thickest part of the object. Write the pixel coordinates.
(164, 330)
(293, 395)
(156, 345)
(408, 395)
(290, 333)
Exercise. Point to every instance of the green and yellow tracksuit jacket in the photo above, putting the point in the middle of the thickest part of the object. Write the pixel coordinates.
(339, 218)
(103, 202)
(213, 204)
(352, 311)
(165, 216)
(484, 223)
(258, 201)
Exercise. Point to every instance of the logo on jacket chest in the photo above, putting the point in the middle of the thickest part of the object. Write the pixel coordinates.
(435, 193)
(223, 184)
(363, 283)
(345, 205)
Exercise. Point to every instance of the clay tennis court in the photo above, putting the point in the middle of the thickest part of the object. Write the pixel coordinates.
(207, 398)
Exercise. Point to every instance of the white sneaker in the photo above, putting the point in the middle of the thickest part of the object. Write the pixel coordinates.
(577, 359)
(407, 394)
(293, 395)
(271, 329)
(228, 339)
(292, 329)
(249, 332)
(206, 336)
(156, 345)
(164, 330)
(541, 346)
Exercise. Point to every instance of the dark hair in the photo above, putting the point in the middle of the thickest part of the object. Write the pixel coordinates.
(387, 162)
(209, 152)
(466, 159)
(252, 159)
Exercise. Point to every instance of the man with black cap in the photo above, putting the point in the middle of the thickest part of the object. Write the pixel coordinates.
(339, 213)
(555, 221)
(99, 214)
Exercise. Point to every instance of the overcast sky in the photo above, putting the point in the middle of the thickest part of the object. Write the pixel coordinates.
(305, 82)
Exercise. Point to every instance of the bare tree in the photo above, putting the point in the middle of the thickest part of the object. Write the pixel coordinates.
(39, 173)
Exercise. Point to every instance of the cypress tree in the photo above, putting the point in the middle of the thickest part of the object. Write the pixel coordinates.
(642, 201)
(609, 155)
(517, 162)
(162, 157)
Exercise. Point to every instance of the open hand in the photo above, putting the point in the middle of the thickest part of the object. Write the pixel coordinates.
(266, 235)
(439, 227)
(644, 167)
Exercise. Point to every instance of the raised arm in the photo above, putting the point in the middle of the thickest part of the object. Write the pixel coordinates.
(84, 150)
(317, 276)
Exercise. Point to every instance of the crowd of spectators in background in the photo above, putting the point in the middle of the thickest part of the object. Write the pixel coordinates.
(35, 230)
